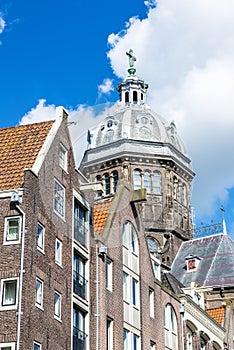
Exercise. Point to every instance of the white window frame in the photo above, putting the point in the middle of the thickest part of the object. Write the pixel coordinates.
(5, 345)
(63, 160)
(39, 297)
(151, 302)
(13, 241)
(135, 292)
(37, 344)
(41, 247)
(110, 333)
(170, 328)
(59, 199)
(57, 306)
(9, 306)
(109, 274)
(126, 287)
(58, 252)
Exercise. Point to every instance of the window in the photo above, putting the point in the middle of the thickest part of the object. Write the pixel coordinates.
(170, 328)
(137, 179)
(9, 293)
(79, 335)
(109, 274)
(126, 339)
(152, 345)
(109, 332)
(79, 281)
(125, 286)
(57, 305)
(135, 292)
(58, 252)
(115, 180)
(63, 157)
(12, 229)
(80, 222)
(40, 237)
(7, 346)
(59, 198)
(36, 346)
(156, 182)
(147, 181)
(39, 293)
(135, 341)
(107, 184)
(151, 302)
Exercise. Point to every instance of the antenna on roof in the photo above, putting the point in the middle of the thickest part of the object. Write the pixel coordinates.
(223, 221)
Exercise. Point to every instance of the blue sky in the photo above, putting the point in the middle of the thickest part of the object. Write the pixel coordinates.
(72, 53)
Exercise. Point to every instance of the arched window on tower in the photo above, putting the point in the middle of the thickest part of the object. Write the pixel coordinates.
(126, 97)
(107, 184)
(170, 328)
(115, 180)
(134, 96)
(99, 179)
(137, 179)
(147, 183)
(156, 182)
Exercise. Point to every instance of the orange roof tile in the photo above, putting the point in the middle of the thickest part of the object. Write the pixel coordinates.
(217, 314)
(19, 147)
(101, 210)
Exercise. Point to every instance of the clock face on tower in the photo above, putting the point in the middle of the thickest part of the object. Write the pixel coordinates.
(152, 245)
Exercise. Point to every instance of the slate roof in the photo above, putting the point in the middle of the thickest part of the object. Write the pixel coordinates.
(19, 147)
(217, 314)
(169, 281)
(216, 267)
(100, 214)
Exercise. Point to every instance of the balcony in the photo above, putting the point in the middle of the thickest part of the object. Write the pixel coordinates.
(79, 339)
(79, 285)
(80, 232)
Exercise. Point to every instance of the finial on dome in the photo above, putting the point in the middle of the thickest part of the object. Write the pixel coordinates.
(132, 59)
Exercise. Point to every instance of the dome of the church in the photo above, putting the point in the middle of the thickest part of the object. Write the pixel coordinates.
(136, 122)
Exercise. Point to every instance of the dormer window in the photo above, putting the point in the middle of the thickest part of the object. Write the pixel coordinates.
(192, 262)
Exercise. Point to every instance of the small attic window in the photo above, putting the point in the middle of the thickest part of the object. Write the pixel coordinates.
(62, 157)
(192, 262)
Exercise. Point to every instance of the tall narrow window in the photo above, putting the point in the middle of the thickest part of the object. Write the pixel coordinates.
(79, 335)
(156, 182)
(40, 237)
(147, 181)
(58, 252)
(59, 198)
(135, 341)
(39, 293)
(80, 220)
(134, 96)
(137, 179)
(109, 274)
(135, 292)
(12, 229)
(115, 180)
(57, 305)
(126, 96)
(79, 281)
(109, 331)
(126, 339)
(170, 328)
(151, 302)
(107, 184)
(63, 157)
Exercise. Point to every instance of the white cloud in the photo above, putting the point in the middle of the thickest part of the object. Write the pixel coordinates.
(39, 113)
(106, 87)
(2, 23)
(185, 51)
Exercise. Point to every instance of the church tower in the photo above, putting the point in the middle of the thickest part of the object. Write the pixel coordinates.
(137, 145)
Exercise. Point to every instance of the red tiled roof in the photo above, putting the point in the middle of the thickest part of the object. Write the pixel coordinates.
(217, 314)
(19, 147)
(101, 210)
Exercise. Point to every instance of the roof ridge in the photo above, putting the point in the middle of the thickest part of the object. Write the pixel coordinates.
(28, 124)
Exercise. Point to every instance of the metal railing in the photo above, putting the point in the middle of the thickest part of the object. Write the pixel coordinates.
(79, 339)
(79, 284)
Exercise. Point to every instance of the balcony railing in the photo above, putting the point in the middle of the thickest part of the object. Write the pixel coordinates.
(79, 285)
(79, 339)
(80, 232)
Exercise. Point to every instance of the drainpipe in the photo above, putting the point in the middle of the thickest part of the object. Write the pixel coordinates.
(182, 311)
(97, 301)
(21, 276)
